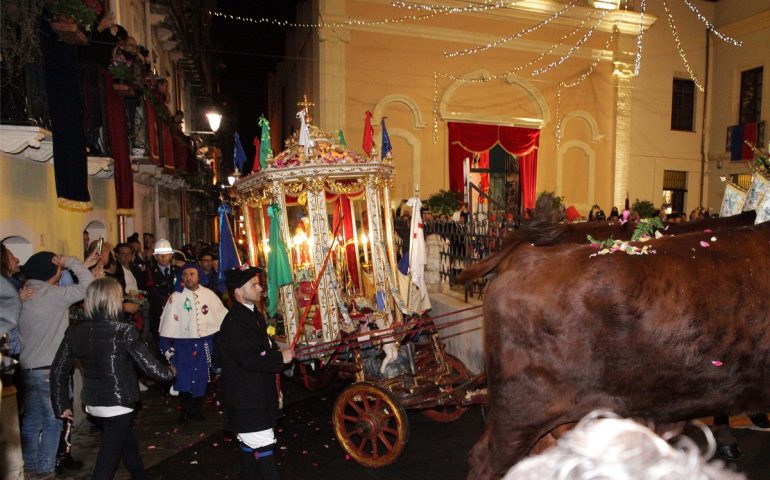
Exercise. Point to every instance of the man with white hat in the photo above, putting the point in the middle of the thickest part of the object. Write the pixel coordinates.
(249, 361)
(190, 320)
(161, 279)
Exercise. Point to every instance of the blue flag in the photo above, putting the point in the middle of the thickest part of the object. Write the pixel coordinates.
(239, 155)
(228, 255)
(386, 146)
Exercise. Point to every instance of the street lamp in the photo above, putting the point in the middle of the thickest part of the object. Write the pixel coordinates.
(215, 120)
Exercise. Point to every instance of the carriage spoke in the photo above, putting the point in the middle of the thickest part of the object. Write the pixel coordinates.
(360, 447)
(349, 418)
(375, 450)
(390, 431)
(352, 403)
(385, 441)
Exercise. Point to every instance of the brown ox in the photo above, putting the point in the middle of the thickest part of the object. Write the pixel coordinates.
(678, 334)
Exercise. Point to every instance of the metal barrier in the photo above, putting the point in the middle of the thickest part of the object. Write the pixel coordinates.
(463, 243)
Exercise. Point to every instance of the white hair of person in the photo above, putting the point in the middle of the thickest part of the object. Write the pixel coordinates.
(104, 296)
(603, 446)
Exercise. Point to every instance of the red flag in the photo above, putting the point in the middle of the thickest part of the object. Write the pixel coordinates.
(255, 169)
(368, 134)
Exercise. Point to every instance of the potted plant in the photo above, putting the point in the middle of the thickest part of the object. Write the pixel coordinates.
(121, 70)
(70, 19)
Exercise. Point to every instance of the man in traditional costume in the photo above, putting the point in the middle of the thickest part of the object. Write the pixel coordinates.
(191, 317)
(249, 361)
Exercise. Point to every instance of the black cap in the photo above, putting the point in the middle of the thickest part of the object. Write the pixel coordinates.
(40, 267)
(238, 276)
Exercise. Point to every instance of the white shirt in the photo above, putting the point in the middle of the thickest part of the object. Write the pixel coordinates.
(130, 280)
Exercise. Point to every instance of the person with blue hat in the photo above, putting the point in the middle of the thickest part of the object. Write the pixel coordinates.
(250, 360)
(190, 319)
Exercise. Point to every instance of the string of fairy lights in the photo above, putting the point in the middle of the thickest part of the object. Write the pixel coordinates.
(711, 27)
(431, 12)
(538, 71)
(508, 39)
(679, 47)
(639, 36)
(574, 83)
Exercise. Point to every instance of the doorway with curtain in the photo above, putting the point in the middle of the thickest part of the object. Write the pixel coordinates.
(506, 160)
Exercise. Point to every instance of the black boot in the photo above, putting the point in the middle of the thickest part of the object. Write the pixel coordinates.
(248, 463)
(266, 462)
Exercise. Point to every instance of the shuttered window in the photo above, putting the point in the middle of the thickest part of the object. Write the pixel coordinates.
(674, 180)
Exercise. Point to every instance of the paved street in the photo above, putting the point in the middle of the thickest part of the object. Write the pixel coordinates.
(309, 450)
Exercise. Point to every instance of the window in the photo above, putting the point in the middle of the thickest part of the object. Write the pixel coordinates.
(674, 190)
(683, 105)
(751, 96)
(743, 180)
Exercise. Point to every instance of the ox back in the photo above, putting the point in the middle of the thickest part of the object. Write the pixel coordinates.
(577, 233)
(670, 336)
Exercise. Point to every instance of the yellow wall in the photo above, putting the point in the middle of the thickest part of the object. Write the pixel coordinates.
(29, 208)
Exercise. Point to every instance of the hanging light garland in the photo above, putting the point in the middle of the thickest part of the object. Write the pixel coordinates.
(515, 36)
(580, 79)
(552, 48)
(639, 36)
(572, 49)
(432, 11)
(711, 27)
(679, 48)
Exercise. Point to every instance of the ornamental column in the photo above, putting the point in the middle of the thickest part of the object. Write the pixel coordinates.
(331, 66)
(623, 75)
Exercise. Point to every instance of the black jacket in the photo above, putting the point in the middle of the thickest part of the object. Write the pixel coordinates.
(120, 276)
(159, 288)
(107, 351)
(249, 365)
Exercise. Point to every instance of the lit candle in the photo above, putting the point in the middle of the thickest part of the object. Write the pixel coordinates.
(364, 242)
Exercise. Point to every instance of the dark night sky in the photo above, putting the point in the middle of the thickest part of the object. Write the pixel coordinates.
(243, 54)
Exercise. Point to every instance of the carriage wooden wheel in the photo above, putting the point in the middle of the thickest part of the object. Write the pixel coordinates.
(458, 374)
(370, 424)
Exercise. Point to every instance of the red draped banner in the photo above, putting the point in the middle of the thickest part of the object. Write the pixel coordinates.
(478, 138)
(119, 150)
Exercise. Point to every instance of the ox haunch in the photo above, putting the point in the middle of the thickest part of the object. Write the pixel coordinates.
(670, 336)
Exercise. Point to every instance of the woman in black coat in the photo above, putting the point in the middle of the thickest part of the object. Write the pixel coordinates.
(249, 362)
(107, 349)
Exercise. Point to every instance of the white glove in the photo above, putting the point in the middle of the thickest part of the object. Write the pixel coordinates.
(170, 353)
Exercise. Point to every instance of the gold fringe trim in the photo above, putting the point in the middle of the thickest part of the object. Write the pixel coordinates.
(125, 211)
(75, 204)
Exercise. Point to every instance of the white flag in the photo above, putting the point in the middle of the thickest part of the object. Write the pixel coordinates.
(417, 259)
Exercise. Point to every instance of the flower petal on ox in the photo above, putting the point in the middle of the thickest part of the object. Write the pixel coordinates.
(704, 244)
(717, 363)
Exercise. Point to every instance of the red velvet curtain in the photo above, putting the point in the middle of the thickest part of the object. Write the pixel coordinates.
(478, 138)
(118, 137)
(167, 139)
(152, 132)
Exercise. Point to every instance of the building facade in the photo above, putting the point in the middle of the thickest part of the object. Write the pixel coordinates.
(614, 89)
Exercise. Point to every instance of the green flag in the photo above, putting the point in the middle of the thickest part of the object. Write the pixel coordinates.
(341, 137)
(264, 148)
(278, 269)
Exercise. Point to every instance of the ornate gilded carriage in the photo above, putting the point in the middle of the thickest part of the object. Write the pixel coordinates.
(320, 187)
(336, 223)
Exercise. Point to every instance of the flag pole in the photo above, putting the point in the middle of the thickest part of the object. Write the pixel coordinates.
(409, 288)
